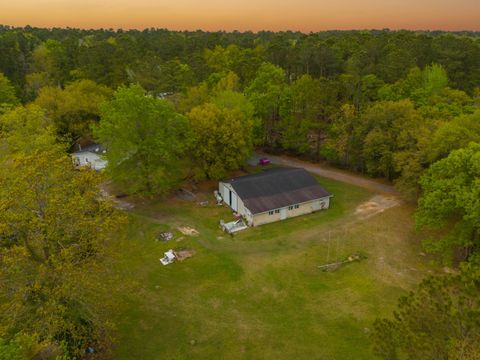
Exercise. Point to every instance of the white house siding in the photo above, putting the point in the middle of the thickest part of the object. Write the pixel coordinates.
(303, 208)
(224, 190)
(264, 218)
(236, 203)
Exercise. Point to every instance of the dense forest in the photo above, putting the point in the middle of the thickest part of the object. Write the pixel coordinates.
(399, 105)
(384, 103)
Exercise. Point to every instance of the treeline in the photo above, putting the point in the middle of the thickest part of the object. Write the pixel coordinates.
(166, 61)
(377, 102)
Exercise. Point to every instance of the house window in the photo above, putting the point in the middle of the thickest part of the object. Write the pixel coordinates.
(277, 211)
(297, 206)
(270, 212)
(290, 207)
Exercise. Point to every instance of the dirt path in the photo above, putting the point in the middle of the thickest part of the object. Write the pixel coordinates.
(335, 174)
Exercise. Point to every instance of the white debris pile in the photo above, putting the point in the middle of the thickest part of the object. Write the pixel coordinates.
(233, 226)
(218, 197)
(168, 258)
(178, 255)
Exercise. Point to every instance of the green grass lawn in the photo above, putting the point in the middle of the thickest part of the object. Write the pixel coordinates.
(259, 294)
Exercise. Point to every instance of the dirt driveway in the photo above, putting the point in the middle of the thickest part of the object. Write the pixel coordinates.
(330, 173)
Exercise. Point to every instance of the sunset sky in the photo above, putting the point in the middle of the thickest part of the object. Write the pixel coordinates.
(303, 15)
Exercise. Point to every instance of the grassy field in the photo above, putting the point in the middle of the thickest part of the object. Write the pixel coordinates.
(260, 294)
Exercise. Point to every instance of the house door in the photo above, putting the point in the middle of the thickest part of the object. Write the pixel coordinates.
(224, 193)
(283, 213)
(234, 201)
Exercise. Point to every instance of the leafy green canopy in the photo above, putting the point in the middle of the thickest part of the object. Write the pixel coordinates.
(265, 93)
(451, 201)
(222, 137)
(145, 140)
(55, 236)
(7, 93)
(439, 320)
(74, 109)
(55, 244)
(453, 135)
(23, 346)
(25, 129)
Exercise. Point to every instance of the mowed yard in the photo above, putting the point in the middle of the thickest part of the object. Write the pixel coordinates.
(260, 294)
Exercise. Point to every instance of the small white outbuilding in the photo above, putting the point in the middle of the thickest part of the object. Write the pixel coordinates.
(92, 156)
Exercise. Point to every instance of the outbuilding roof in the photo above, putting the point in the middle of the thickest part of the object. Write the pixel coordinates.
(93, 148)
(277, 188)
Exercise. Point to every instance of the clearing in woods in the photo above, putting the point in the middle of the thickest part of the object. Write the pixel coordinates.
(260, 294)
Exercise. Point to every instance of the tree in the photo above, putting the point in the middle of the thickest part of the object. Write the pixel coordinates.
(74, 109)
(222, 136)
(7, 93)
(299, 113)
(194, 96)
(455, 134)
(343, 141)
(396, 58)
(146, 140)
(158, 77)
(380, 130)
(23, 346)
(451, 202)
(265, 93)
(435, 79)
(411, 157)
(244, 62)
(360, 91)
(439, 320)
(50, 58)
(25, 129)
(428, 90)
(56, 233)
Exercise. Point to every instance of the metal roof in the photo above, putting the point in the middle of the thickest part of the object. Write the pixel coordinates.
(277, 188)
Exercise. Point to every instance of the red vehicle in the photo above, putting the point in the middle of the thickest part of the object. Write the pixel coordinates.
(263, 161)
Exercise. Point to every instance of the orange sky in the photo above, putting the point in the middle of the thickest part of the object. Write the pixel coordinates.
(303, 15)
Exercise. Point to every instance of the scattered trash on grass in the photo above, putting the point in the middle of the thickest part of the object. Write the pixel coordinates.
(203, 203)
(165, 236)
(168, 258)
(233, 226)
(176, 255)
(186, 230)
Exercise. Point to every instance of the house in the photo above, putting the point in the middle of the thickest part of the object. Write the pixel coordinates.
(274, 194)
(91, 156)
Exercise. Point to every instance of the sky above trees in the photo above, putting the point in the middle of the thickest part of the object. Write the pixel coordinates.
(303, 15)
